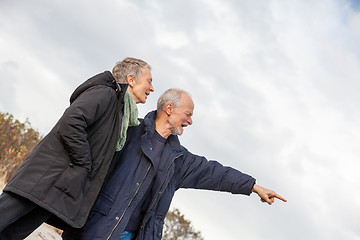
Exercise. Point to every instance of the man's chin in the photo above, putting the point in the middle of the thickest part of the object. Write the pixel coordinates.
(178, 131)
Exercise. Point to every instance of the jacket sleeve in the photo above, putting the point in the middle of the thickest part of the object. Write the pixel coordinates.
(82, 113)
(199, 173)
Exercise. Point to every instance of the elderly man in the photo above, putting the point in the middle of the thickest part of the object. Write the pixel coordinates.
(62, 176)
(152, 166)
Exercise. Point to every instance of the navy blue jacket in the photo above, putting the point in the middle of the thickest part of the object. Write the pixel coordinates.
(183, 169)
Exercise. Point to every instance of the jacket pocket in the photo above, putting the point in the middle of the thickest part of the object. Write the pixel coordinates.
(72, 181)
(103, 204)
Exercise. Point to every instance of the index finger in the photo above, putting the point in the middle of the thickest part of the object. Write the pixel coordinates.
(280, 197)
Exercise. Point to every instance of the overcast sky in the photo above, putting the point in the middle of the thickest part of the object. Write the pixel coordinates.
(275, 85)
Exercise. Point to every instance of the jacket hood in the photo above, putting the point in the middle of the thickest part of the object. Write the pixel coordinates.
(105, 78)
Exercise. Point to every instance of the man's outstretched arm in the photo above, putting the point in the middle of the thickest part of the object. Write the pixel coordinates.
(267, 195)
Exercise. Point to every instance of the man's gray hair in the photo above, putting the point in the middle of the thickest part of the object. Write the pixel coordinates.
(173, 96)
(128, 66)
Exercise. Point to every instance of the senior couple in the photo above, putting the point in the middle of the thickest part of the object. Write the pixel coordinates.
(101, 173)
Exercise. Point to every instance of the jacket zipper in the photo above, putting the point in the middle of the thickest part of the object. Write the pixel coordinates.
(137, 190)
(157, 192)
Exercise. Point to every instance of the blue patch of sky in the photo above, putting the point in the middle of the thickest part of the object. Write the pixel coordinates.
(344, 37)
(355, 4)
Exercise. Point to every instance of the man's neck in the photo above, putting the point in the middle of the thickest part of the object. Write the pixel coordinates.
(162, 127)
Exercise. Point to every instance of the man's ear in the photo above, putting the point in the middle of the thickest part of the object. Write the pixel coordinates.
(130, 80)
(169, 108)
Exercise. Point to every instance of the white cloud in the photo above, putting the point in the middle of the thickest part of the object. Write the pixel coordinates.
(170, 38)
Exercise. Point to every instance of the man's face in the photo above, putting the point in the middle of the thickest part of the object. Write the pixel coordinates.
(141, 87)
(181, 117)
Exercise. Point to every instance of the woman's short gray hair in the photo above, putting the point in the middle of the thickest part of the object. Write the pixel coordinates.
(173, 96)
(128, 66)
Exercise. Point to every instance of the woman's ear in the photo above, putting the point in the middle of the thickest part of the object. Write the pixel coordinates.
(130, 80)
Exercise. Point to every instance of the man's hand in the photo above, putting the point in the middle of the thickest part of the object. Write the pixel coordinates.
(266, 195)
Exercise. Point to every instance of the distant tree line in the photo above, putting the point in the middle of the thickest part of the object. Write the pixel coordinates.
(18, 139)
(176, 227)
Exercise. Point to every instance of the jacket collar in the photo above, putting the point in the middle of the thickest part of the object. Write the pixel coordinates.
(121, 90)
(149, 122)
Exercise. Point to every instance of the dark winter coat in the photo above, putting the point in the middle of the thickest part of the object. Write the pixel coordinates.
(65, 171)
(183, 169)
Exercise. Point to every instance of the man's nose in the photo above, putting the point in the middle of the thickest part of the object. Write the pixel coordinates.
(189, 121)
(152, 88)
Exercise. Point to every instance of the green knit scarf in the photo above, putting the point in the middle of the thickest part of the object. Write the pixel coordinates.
(129, 119)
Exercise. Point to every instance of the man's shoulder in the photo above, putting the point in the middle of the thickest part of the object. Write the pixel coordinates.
(141, 120)
(139, 127)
